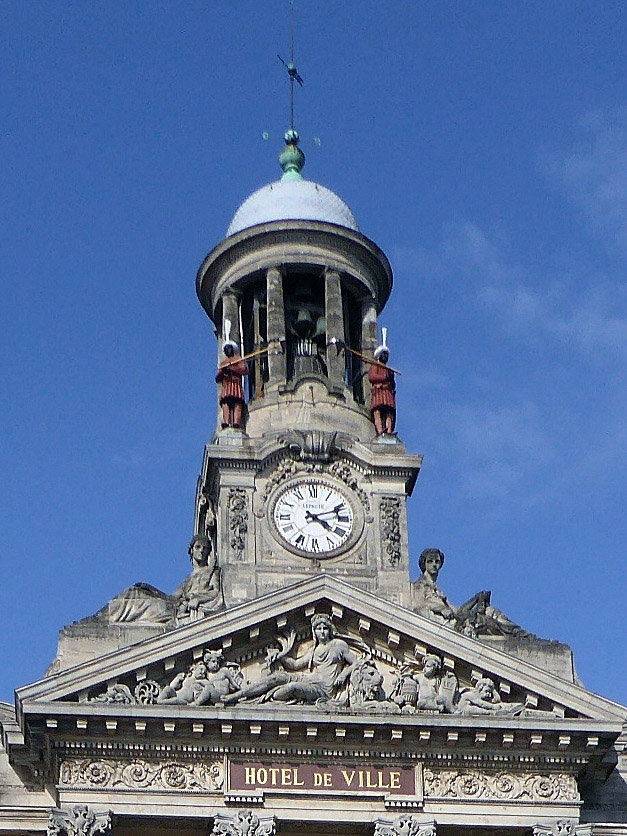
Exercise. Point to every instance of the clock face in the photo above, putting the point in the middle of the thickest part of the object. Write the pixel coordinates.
(313, 517)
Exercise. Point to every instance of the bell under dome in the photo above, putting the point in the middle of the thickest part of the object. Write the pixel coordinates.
(292, 198)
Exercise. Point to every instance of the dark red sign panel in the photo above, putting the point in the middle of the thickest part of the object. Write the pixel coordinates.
(372, 779)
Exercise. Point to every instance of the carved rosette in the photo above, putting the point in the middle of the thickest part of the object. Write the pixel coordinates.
(243, 823)
(405, 825)
(81, 820)
(469, 784)
(173, 776)
(390, 523)
(237, 510)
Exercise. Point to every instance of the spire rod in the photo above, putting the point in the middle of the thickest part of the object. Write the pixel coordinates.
(292, 72)
(292, 158)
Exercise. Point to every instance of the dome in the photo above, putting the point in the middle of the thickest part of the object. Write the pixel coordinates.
(292, 200)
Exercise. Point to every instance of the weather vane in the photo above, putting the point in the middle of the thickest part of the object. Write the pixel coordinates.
(290, 66)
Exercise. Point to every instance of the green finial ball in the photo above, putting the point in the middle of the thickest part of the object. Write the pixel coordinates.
(291, 158)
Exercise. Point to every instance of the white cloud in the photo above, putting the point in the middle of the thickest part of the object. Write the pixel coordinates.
(593, 173)
(498, 445)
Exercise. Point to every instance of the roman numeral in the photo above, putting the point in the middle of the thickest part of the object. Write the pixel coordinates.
(313, 491)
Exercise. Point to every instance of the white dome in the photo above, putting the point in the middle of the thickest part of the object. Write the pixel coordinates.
(292, 200)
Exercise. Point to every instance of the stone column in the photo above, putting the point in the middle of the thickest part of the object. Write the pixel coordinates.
(230, 310)
(369, 338)
(276, 327)
(81, 820)
(334, 312)
(404, 824)
(243, 823)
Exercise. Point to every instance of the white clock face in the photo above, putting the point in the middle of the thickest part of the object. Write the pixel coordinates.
(313, 517)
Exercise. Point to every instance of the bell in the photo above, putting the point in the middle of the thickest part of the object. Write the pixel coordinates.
(304, 325)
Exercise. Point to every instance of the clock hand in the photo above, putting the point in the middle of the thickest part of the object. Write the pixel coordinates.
(316, 518)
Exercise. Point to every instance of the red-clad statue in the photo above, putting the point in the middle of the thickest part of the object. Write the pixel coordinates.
(230, 375)
(383, 389)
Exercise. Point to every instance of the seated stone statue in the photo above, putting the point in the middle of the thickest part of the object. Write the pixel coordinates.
(477, 617)
(425, 689)
(317, 676)
(484, 699)
(205, 683)
(201, 592)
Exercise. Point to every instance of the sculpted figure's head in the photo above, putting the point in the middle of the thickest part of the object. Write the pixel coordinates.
(431, 665)
(485, 688)
(431, 561)
(199, 550)
(322, 628)
(213, 659)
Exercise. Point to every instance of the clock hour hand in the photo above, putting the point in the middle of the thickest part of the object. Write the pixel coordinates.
(316, 518)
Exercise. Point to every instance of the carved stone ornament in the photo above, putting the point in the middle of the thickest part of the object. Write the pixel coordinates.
(314, 445)
(243, 823)
(562, 827)
(80, 821)
(168, 776)
(336, 672)
(390, 517)
(471, 784)
(237, 509)
(405, 825)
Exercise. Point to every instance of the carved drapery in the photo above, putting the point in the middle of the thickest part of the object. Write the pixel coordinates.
(243, 823)
(81, 820)
(405, 825)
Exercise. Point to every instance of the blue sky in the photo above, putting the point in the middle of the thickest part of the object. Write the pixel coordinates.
(482, 145)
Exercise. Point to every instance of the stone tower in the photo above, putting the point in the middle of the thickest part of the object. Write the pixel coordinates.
(298, 288)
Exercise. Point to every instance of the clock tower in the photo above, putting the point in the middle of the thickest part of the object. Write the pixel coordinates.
(296, 481)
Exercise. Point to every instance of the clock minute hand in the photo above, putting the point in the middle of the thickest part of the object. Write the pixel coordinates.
(316, 518)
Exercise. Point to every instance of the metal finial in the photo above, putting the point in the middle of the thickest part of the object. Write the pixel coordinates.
(292, 72)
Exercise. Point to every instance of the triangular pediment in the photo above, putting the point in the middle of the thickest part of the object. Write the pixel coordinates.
(393, 640)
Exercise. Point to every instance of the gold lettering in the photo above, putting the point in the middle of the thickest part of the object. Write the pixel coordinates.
(361, 777)
(348, 776)
(328, 779)
(262, 775)
(249, 775)
(295, 780)
(395, 780)
(382, 783)
(317, 776)
(368, 784)
(286, 777)
(274, 771)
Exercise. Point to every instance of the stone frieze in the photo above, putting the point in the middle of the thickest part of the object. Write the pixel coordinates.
(173, 776)
(468, 784)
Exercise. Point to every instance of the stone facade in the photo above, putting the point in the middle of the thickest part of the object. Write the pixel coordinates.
(297, 681)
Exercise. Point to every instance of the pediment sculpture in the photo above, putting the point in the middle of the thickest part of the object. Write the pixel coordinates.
(331, 671)
(476, 617)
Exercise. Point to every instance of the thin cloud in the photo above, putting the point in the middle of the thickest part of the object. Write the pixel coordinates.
(593, 173)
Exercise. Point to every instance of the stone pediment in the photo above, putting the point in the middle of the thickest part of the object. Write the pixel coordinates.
(260, 657)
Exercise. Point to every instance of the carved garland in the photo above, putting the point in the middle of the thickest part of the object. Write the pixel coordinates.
(237, 510)
(390, 517)
(173, 776)
(471, 784)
